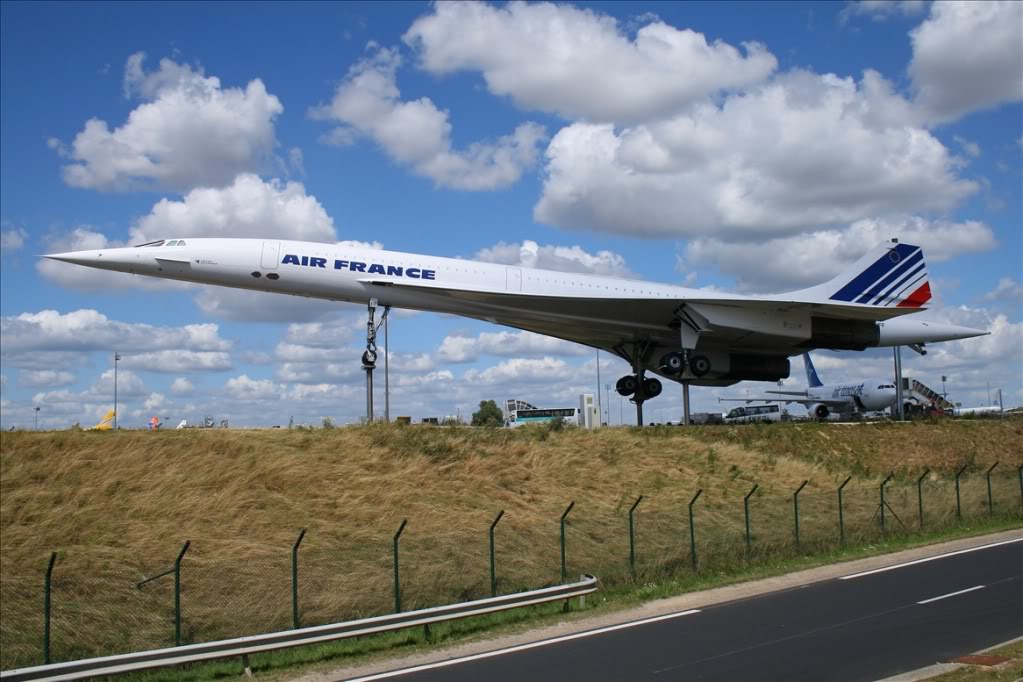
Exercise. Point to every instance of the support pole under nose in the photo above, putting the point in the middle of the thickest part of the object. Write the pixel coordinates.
(685, 404)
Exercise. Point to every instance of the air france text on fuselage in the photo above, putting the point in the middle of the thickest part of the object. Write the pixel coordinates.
(358, 266)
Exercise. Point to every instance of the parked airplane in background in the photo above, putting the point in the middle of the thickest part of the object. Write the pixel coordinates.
(822, 399)
(106, 423)
(976, 411)
(707, 338)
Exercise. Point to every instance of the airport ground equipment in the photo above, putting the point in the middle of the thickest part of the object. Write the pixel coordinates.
(242, 647)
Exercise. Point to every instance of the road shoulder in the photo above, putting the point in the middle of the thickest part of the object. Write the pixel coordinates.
(659, 607)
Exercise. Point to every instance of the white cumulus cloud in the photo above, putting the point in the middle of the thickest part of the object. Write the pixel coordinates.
(802, 151)
(187, 132)
(529, 254)
(807, 259)
(13, 239)
(579, 63)
(967, 56)
(417, 134)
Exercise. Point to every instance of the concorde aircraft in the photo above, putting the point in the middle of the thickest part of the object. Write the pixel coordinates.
(820, 399)
(704, 338)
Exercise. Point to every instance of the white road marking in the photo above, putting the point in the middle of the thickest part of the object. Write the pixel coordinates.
(930, 558)
(522, 647)
(952, 594)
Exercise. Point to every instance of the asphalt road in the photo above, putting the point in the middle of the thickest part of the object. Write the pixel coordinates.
(863, 627)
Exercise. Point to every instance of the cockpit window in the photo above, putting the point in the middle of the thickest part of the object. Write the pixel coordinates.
(181, 242)
(156, 243)
(173, 242)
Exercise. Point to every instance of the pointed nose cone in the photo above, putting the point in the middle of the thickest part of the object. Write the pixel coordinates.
(76, 257)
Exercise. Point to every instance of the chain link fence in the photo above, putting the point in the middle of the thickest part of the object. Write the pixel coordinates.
(101, 605)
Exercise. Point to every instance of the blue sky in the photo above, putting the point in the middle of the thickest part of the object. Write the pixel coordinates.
(743, 146)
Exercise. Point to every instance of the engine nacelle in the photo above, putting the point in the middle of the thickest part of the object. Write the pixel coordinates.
(757, 368)
(818, 411)
(826, 332)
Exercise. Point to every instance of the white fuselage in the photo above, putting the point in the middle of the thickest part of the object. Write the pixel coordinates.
(600, 311)
(871, 395)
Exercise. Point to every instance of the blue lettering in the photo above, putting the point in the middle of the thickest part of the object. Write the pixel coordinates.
(429, 274)
(376, 268)
(291, 259)
(317, 262)
(394, 270)
(358, 267)
(340, 265)
(413, 272)
(305, 260)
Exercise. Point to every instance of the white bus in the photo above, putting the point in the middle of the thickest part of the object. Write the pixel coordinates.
(755, 413)
(535, 415)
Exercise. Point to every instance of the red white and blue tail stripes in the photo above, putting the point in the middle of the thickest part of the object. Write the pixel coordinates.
(898, 278)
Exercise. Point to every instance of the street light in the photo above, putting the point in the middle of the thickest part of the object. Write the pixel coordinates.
(607, 401)
(117, 356)
(943, 380)
(36, 408)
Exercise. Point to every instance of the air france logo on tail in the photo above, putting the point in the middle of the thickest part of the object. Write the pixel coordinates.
(897, 278)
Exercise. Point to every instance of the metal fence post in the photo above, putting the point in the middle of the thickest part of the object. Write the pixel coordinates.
(493, 558)
(990, 499)
(959, 508)
(883, 484)
(564, 570)
(632, 537)
(692, 529)
(841, 514)
(294, 579)
(795, 508)
(1020, 471)
(397, 580)
(920, 495)
(745, 509)
(177, 592)
(46, 608)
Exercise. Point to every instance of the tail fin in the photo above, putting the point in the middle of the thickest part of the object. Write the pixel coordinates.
(891, 275)
(812, 380)
(105, 422)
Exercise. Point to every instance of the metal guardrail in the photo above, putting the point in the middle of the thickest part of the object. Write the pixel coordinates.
(243, 646)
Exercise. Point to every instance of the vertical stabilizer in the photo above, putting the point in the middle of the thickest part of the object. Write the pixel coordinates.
(891, 275)
(812, 380)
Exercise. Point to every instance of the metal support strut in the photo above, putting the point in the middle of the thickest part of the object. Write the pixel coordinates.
(369, 359)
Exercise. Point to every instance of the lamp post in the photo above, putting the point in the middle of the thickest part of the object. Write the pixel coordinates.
(600, 407)
(607, 400)
(117, 356)
(36, 408)
(944, 394)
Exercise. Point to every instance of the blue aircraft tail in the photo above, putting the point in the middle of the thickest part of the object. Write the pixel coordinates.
(812, 380)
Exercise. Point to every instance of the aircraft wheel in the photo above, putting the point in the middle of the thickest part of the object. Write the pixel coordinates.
(699, 365)
(652, 388)
(627, 385)
(672, 363)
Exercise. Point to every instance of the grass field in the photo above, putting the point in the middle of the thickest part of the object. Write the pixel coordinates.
(117, 506)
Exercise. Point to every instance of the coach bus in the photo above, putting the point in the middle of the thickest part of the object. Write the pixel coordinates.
(535, 415)
(755, 413)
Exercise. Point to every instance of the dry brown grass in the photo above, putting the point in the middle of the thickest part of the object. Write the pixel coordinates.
(118, 505)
